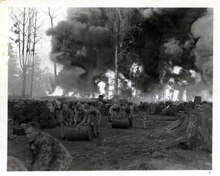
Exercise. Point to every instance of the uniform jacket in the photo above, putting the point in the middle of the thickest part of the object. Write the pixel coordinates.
(47, 153)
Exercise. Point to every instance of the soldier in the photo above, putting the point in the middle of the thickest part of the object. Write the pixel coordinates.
(49, 106)
(100, 106)
(57, 108)
(94, 118)
(141, 106)
(45, 152)
(122, 111)
(129, 111)
(80, 114)
(114, 112)
(106, 108)
(66, 118)
(49, 109)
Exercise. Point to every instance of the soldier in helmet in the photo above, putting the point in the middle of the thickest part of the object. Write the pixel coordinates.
(57, 108)
(46, 152)
(80, 114)
(94, 118)
(66, 118)
(114, 112)
(49, 108)
(128, 112)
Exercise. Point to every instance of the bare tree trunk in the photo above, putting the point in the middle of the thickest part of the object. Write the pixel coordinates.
(52, 16)
(55, 69)
(116, 72)
(180, 96)
(55, 65)
(117, 50)
(36, 39)
(32, 71)
(23, 55)
(32, 77)
(24, 81)
(33, 53)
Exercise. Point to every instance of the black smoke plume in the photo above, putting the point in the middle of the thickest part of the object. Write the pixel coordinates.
(169, 37)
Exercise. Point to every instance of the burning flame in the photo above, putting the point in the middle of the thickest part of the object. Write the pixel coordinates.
(176, 69)
(101, 86)
(168, 93)
(58, 92)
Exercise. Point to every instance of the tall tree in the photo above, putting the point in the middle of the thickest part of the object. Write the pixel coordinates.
(22, 19)
(36, 38)
(52, 16)
(120, 25)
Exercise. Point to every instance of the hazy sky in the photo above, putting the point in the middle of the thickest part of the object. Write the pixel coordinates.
(44, 46)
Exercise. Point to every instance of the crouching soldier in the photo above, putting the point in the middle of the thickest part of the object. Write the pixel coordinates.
(49, 106)
(81, 114)
(94, 118)
(57, 108)
(66, 118)
(46, 152)
(114, 112)
(49, 109)
(129, 111)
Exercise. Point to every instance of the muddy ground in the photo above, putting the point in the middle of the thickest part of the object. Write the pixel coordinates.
(126, 149)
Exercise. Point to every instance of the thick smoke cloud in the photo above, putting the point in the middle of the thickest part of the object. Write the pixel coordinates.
(168, 38)
(82, 41)
(203, 28)
(168, 41)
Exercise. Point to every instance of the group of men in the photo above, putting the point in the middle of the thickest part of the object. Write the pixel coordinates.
(45, 151)
(121, 112)
(86, 114)
(48, 153)
(80, 114)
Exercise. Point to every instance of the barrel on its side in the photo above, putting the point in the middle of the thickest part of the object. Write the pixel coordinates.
(121, 123)
(78, 133)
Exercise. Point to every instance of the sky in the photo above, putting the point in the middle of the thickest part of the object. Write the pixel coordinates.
(44, 45)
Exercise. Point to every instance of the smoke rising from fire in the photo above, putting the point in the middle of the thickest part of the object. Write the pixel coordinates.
(203, 28)
(170, 38)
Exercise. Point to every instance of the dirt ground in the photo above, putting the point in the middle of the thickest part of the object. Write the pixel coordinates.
(125, 149)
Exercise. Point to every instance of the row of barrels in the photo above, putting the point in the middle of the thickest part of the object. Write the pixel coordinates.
(73, 133)
(23, 111)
